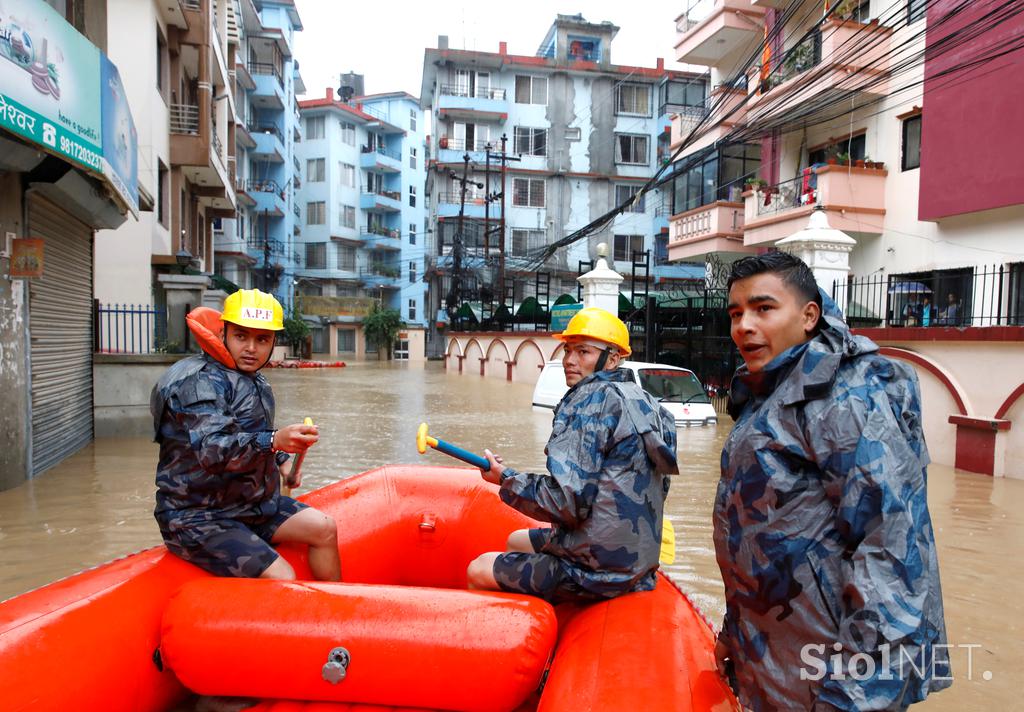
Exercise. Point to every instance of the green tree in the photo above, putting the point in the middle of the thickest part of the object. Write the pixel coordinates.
(381, 327)
(296, 331)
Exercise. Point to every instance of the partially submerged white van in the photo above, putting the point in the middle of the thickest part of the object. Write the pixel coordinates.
(678, 389)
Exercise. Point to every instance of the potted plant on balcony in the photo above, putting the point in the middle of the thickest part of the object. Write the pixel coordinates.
(756, 184)
(845, 9)
(843, 157)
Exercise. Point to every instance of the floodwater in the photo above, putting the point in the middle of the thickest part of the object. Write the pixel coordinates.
(97, 505)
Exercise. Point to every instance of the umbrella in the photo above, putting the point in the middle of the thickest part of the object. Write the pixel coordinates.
(908, 288)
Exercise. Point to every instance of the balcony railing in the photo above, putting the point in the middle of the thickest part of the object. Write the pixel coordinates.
(774, 199)
(381, 151)
(335, 306)
(475, 93)
(192, 4)
(259, 244)
(382, 231)
(460, 144)
(266, 68)
(267, 129)
(982, 296)
(393, 194)
(218, 147)
(264, 186)
(381, 270)
(455, 198)
(184, 119)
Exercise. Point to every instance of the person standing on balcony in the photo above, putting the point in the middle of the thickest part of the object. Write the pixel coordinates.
(611, 449)
(951, 314)
(218, 500)
(821, 522)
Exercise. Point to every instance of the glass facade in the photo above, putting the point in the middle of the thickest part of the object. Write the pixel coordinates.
(714, 175)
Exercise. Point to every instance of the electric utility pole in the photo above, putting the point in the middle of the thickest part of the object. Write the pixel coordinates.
(499, 194)
(455, 291)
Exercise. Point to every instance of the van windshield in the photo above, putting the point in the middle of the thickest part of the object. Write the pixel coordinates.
(672, 386)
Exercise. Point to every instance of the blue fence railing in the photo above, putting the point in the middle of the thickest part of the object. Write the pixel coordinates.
(129, 329)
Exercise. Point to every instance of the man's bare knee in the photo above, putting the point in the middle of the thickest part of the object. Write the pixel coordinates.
(480, 572)
(326, 532)
(519, 540)
(280, 570)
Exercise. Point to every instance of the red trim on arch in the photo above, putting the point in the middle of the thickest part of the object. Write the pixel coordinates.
(1010, 400)
(927, 365)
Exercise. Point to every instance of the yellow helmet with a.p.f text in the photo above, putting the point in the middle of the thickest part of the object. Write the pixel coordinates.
(600, 325)
(253, 309)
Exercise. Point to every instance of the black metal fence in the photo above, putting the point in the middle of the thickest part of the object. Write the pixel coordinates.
(129, 329)
(972, 296)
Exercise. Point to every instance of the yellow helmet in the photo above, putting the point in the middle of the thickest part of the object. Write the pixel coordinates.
(253, 309)
(600, 325)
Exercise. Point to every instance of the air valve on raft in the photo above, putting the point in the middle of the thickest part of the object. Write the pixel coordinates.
(336, 667)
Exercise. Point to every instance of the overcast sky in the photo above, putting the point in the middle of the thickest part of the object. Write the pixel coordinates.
(384, 41)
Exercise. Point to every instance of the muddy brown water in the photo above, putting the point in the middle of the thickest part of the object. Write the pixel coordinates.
(97, 505)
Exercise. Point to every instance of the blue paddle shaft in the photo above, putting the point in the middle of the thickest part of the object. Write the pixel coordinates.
(464, 455)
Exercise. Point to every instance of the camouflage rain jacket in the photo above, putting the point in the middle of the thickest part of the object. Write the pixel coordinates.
(215, 428)
(823, 535)
(610, 450)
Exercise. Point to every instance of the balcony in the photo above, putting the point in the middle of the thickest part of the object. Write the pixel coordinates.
(852, 62)
(242, 76)
(242, 136)
(380, 276)
(380, 161)
(381, 238)
(184, 119)
(451, 150)
(854, 198)
(714, 228)
(380, 200)
(335, 307)
(480, 104)
(245, 199)
(711, 30)
(269, 197)
(448, 205)
(269, 143)
(730, 112)
(269, 91)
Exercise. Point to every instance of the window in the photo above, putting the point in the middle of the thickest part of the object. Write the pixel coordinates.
(631, 148)
(346, 258)
(346, 340)
(316, 168)
(314, 127)
(573, 133)
(347, 216)
(412, 273)
(470, 137)
(916, 10)
(412, 196)
(161, 64)
(624, 193)
(316, 255)
(348, 133)
(854, 145)
(683, 93)
(316, 213)
(412, 119)
(412, 310)
(633, 99)
(531, 90)
(348, 174)
(161, 193)
(715, 175)
(412, 233)
(526, 241)
(626, 245)
(528, 192)
(530, 142)
(911, 143)
(412, 158)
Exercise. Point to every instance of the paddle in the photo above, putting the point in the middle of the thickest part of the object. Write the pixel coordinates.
(667, 554)
(286, 490)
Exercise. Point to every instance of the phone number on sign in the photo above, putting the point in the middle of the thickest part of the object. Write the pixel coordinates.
(80, 153)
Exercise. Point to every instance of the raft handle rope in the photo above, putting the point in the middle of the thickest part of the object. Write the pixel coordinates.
(336, 667)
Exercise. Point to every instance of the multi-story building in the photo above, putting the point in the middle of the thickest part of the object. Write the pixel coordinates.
(580, 136)
(68, 175)
(912, 154)
(257, 247)
(363, 206)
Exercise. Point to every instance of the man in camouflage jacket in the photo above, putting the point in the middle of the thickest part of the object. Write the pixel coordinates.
(821, 520)
(610, 451)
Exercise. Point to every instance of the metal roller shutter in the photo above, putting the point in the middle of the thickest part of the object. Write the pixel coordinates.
(60, 331)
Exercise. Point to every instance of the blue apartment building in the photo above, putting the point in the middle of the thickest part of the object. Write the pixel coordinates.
(581, 136)
(363, 211)
(259, 247)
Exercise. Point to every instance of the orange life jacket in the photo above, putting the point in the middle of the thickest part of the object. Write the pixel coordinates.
(206, 326)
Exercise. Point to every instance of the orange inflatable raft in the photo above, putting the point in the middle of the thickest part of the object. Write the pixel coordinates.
(400, 633)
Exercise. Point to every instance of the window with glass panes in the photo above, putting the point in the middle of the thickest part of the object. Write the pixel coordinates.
(412, 158)
(316, 255)
(526, 241)
(316, 213)
(625, 193)
(631, 148)
(530, 142)
(633, 99)
(316, 170)
(911, 150)
(314, 127)
(412, 196)
(412, 272)
(412, 233)
(412, 119)
(531, 90)
(348, 133)
(348, 174)
(412, 310)
(854, 145)
(690, 93)
(347, 216)
(715, 175)
(916, 10)
(626, 245)
(528, 192)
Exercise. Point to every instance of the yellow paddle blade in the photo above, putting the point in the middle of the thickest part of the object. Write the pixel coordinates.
(668, 542)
